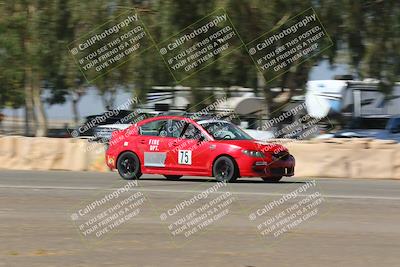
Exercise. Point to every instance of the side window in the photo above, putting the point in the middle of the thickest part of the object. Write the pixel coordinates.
(175, 128)
(154, 128)
(191, 132)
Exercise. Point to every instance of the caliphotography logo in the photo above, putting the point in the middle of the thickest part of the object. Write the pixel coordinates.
(105, 215)
(196, 213)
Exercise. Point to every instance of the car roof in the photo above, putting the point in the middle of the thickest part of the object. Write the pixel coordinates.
(166, 117)
(196, 116)
(199, 120)
(210, 121)
(180, 118)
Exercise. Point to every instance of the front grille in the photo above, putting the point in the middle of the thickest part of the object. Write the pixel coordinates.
(278, 171)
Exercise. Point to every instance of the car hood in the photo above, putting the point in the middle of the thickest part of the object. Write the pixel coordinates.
(257, 145)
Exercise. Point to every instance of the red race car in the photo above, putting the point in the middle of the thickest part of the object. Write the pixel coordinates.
(175, 146)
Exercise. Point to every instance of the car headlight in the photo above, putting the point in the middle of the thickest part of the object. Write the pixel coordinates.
(253, 153)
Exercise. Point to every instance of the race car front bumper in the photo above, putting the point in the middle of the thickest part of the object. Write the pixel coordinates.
(274, 168)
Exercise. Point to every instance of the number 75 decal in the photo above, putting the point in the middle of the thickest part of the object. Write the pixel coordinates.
(185, 157)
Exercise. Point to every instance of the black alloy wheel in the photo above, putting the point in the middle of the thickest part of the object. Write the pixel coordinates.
(225, 170)
(128, 166)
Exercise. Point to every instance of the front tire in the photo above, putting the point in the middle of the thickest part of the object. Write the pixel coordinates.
(225, 170)
(128, 166)
(275, 179)
(173, 177)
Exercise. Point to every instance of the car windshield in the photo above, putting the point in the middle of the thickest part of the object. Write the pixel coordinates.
(225, 131)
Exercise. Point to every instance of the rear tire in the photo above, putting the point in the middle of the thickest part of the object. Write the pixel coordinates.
(275, 179)
(225, 170)
(173, 177)
(128, 166)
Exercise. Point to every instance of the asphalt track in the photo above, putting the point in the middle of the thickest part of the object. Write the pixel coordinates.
(356, 224)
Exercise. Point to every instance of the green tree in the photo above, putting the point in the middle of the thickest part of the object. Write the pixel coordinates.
(11, 70)
(37, 44)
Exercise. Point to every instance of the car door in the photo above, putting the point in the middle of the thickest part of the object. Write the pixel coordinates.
(151, 144)
(188, 152)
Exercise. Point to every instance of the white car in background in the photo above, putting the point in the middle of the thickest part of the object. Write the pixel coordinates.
(260, 135)
(102, 133)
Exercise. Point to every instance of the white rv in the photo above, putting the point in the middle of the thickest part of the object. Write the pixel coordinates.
(351, 99)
